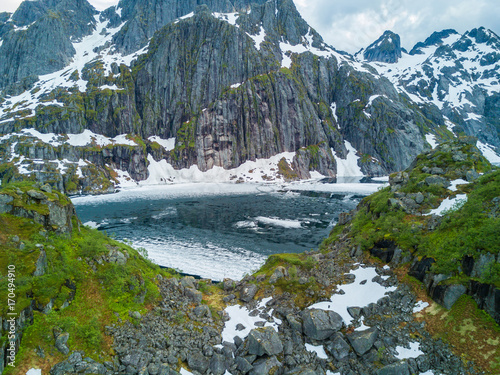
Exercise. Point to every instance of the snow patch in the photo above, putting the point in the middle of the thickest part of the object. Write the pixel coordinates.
(457, 182)
(419, 306)
(488, 152)
(431, 139)
(319, 350)
(241, 315)
(34, 371)
(348, 167)
(412, 352)
(167, 144)
(261, 170)
(448, 204)
(356, 294)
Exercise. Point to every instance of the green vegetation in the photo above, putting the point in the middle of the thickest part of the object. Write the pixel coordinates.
(90, 280)
(467, 230)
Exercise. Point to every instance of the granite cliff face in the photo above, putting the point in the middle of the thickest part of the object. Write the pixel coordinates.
(231, 82)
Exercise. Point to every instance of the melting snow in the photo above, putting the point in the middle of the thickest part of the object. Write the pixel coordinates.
(261, 170)
(34, 371)
(431, 139)
(259, 38)
(419, 306)
(405, 353)
(319, 350)
(241, 315)
(454, 184)
(279, 222)
(448, 204)
(356, 294)
(348, 166)
(167, 144)
(488, 153)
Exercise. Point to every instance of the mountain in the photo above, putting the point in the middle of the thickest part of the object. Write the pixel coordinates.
(154, 87)
(459, 75)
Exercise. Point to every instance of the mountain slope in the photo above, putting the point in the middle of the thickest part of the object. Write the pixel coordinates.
(229, 87)
(460, 75)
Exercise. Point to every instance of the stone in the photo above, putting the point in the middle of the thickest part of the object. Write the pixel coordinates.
(5, 206)
(41, 264)
(217, 364)
(188, 282)
(399, 368)
(61, 343)
(447, 295)
(362, 341)
(194, 295)
(36, 195)
(248, 292)
(294, 322)
(419, 198)
(228, 285)
(354, 311)
(265, 366)
(262, 341)
(338, 347)
(437, 180)
(197, 362)
(202, 311)
(320, 324)
(135, 314)
(243, 365)
(471, 175)
(46, 188)
(277, 274)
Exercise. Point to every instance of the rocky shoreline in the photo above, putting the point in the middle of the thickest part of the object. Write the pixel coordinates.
(182, 328)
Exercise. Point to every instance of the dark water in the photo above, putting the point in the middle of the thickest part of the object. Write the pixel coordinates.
(219, 235)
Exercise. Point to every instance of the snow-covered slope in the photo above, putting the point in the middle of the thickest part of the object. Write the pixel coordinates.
(459, 74)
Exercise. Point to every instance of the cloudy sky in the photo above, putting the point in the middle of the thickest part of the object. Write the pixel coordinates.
(352, 24)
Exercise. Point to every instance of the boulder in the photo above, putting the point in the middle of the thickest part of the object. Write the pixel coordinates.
(265, 366)
(362, 341)
(399, 368)
(61, 343)
(320, 324)
(194, 295)
(248, 292)
(264, 340)
(338, 347)
(198, 362)
(36, 195)
(217, 364)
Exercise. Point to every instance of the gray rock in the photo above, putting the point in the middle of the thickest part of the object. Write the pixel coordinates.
(46, 188)
(437, 180)
(262, 341)
(202, 311)
(36, 195)
(248, 292)
(338, 347)
(362, 341)
(217, 364)
(41, 264)
(277, 274)
(243, 365)
(194, 295)
(188, 282)
(419, 198)
(471, 175)
(61, 343)
(320, 324)
(400, 368)
(5, 206)
(265, 366)
(135, 314)
(294, 322)
(197, 362)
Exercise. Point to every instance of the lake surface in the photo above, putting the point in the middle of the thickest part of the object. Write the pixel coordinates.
(221, 230)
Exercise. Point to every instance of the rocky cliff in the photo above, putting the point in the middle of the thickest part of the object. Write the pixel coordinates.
(231, 87)
(454, 74)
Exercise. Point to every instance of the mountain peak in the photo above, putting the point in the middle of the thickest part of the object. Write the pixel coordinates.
(385, 49)
(436, 38)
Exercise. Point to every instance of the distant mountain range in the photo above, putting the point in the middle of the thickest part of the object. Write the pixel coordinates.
(149, 91)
